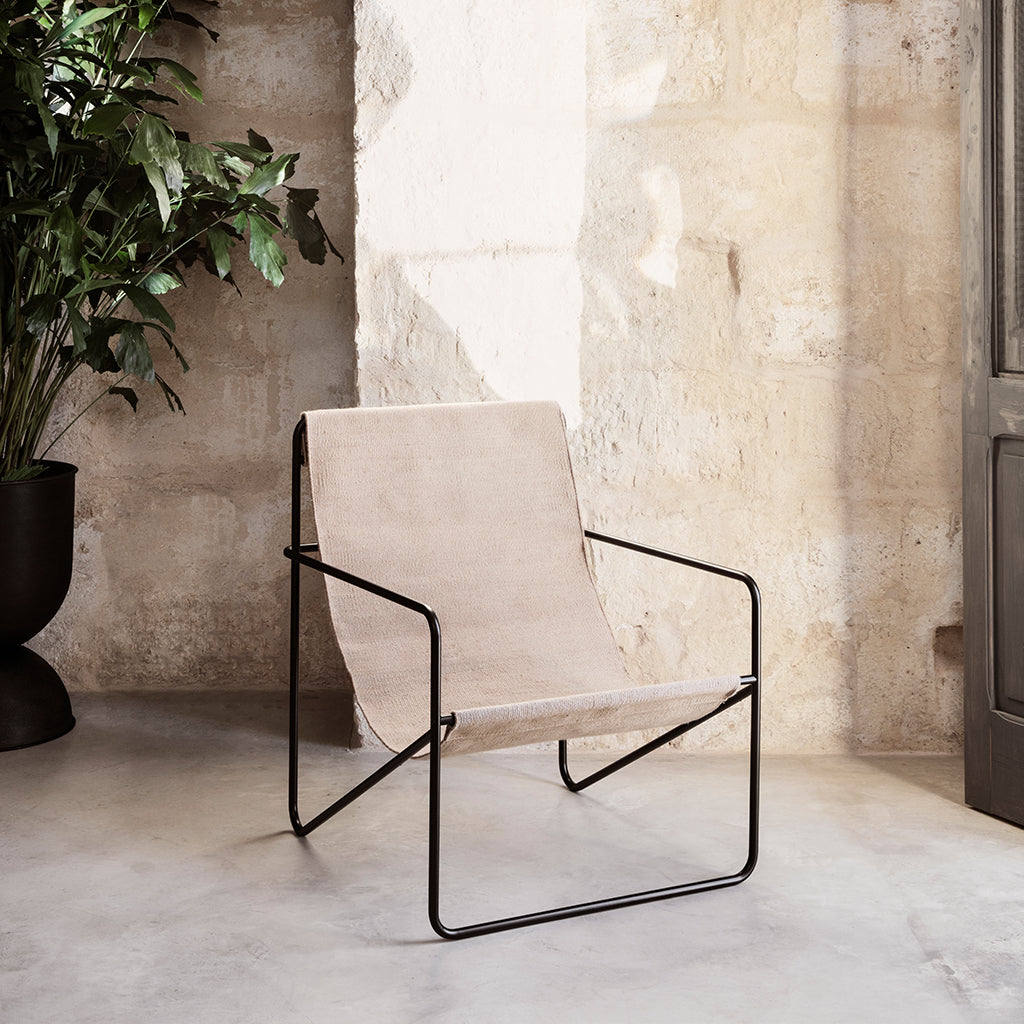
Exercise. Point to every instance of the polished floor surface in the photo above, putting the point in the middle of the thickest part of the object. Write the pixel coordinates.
(147, 876)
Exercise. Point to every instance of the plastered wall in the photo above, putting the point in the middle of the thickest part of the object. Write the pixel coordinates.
(179, 578)
(723, 235)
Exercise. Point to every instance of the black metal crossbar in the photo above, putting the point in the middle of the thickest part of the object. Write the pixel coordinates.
(300, 554)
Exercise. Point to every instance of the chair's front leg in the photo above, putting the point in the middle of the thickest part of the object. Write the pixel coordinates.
(293, 705)
(434, 817)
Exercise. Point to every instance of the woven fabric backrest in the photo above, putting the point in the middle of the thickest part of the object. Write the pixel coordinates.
(472, 510)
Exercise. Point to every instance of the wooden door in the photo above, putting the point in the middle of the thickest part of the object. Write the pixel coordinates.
(992, 184)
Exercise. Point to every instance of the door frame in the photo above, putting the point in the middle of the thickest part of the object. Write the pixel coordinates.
(977, 280)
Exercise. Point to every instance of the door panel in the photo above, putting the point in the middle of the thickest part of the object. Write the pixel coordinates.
(1008, 570)
(1007, 798)
(992, 217)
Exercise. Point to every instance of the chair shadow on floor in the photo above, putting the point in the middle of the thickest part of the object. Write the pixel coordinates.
(327, 718)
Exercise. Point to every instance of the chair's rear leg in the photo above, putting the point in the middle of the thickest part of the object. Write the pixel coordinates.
(659, 741)
(751, 690)
(369, 782)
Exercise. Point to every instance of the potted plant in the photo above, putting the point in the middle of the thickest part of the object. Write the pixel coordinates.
(104, 206)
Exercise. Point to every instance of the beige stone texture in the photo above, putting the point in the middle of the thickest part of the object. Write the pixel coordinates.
(789, 399)
(722, 233)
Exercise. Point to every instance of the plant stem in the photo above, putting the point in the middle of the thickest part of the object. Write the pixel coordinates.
(106, 391)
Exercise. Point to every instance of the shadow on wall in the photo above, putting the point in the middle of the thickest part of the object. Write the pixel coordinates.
(418, 356)
(768, 354)
(328, 714)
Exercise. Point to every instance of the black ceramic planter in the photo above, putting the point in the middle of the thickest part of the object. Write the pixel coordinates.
(37, 519)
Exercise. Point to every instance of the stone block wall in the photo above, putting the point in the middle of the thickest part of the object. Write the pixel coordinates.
(770, 254)
(722, 233)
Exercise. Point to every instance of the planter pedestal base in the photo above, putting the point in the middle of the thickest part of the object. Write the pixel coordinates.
(34, 705)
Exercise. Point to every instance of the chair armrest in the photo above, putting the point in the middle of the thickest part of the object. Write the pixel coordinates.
(693, 563)
(299, 555)
(717, 570)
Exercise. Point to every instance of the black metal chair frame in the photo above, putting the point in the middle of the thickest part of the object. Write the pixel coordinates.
(300, 555)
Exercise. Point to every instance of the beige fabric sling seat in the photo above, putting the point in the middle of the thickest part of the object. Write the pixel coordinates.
(461, 596)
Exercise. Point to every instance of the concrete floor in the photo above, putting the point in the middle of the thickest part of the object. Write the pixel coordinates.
(147, 875)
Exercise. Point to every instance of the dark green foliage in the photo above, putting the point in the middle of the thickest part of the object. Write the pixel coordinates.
(103, 204)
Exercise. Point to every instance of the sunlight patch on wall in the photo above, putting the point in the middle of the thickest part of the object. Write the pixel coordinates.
(659, 260)
(475, 186)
